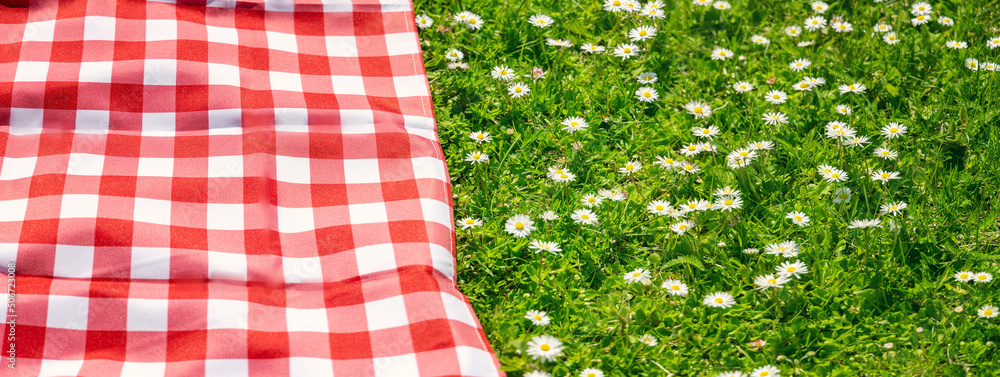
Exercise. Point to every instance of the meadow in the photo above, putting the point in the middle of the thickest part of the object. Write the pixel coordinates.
(746, 188)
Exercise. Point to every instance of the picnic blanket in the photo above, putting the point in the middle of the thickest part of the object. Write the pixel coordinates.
(225, 188)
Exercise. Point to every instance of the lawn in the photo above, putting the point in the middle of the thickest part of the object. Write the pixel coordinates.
(700, 189)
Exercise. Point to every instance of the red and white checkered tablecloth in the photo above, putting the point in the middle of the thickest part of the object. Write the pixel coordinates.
(230, 188)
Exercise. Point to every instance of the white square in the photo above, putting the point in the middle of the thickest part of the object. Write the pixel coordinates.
(291, 119)
(436, 211)
(223, 74)
(16, 168)
(420, 126)
(395, 366)
(280, 6)
(456, 309)
(29, 71)
(85, 164)
(227, 314)
(51, 368)
(227, 367)
(341, 46)
(13, 210)
(361, 171)
(348, 85)
(281, 41)
(78, 206)
(386, 313)
(410, 86)
(8, 253)
(302, 270)
(150, 263)
(443, 260)
(375, 258)
(286, 81)
(294, 220)
(73, 261)
(225, 166)
(97, 28)
(135, 368)
(225, 35)
(146, 314)
(41, 31)
(225, 122)
(159, 72)
(310, 366)
(93, 122)
(159, 124)
(292, 169)
(401, 44)
(222, 216)
(152, 211)
(227, 266)
(428, 167)
(155, 167)
(96, 72)
(357, 121)
(368, 213)
(311, 320)
(67, 312)
(474, 362)
(25, 121)
(161, 30)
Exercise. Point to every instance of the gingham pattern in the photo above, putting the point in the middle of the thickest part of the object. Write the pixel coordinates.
(228, 188)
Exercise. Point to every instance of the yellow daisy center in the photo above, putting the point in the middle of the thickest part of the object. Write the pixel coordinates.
(892, 37)
(798, 218)
(647, 94)
(893, 207)
(835, 175)
(698, 109)
(675, 287)
(964, 276)
(538, 317)
(423, 21)
(629, 167)
(540, 22)
(688, 167)
(659, 208)
(981, 277)
(470, 221)
(885, 153)
(682, 227)
(885, 175)
(804, 85)
(852, 86)
(517, 89)
(728, 202)
(893, 130)
(815, 22)
(564, 176)
(519, 225)
(764, 373)
(476, 156)
(585, 217)
(791, 269)
(706, 131)
(591, 200)
(636, 274)
(987, 312)
(772, 281)
(642, 33)
(776, 96)
(480, 136)
(648, 78)
(842, 26)
(472, 20)
(718, 300)
(627, 50)
(617, 3)
(545, 347)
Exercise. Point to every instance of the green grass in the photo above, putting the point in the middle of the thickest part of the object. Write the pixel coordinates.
(863, 290)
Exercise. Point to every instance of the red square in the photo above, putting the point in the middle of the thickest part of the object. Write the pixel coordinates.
(61, 95)
(191, 98)
(186, 345)
(113, 232)
(350, 346)
(327, 195)
(375, 66)
(192, 50)
(267, 345)
(368, 23)
(118, 186)
(255, 58)
(126, 98)
(188, 238)
(309, 23)
(386, 104)
(123, 145)
(334, 239)
(408, 231)
(67, 52)
(431, 335)
(129, 50)
(47, 184)
(30, 340)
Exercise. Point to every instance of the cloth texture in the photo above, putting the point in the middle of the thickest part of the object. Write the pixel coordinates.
(226, 188)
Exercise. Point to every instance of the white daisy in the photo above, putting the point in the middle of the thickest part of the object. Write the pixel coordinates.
(519, 226)
(893, 208)
(983, 277)
(815, 23)
(706, 132)
(591, 48)
(468, 223)
(646, 94)
(683, 226)
(793, 31)
(852, 88)
(648, 340)
(675, 287)
(591, 372)
(538, 318)
(574, 124)
(454, 55)
(591, 200)
(885, 153)
(760, 39)
(647, 78)
(424, 21)
(865, 223)
(798, 218)
(987, 311)
(729, 203)
(584, 216)
(770, 281)
(882, 27)
(558, 42)
(544, 347)
(964, 276)
(798, 65)
(688, 167)
(792, 269)
(698, 109)
(893, 130)
(626, 50)
(721, 5)
(639, 275)
(843, 27)
(549, 216)
(720, 53)
(766, 371)
(518, 90)
(786, 249)
(842, 195)
(742, 87)
(641, 33)
(540, 246)
(480, 137)
(819, 6)
(630, 167)
(921, 19)
(477, 157)
(958, 45)
(775, 97)
(659, 207)
(502, 72)
(920, 8)
(719, 300)
(843, 109)
(775, 118)
(540, 20)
